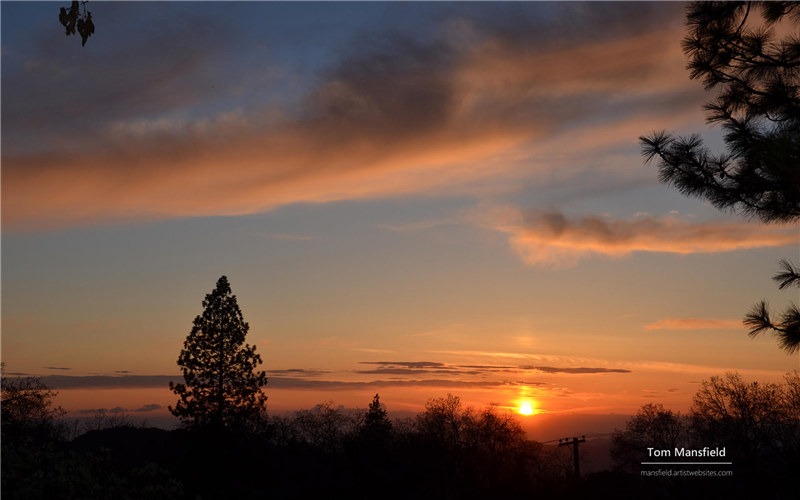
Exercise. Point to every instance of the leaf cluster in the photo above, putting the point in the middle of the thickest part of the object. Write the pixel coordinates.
(77, 18)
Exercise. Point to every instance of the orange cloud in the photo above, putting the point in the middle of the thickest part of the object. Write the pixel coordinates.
(693, 324)
(550, 239)
(244, 176)
(644, 63)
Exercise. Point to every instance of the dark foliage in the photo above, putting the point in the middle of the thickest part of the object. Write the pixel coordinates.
(38, 462)
(787, 329)
(222, 388)
(653, 427)
(376, 421)
(757, 424)
(28, 415)
(756, 74)
(77, 18)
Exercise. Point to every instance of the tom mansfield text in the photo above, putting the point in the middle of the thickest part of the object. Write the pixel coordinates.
(687, 452)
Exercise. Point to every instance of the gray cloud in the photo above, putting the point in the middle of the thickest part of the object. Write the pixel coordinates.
(399, 371)
(162, 381)
(94, 381)
(120, 409)
(297, 371)
(427, 367)
(487, 367)
(334, 385)
(578, 370)
(56, 368)
(407, 364)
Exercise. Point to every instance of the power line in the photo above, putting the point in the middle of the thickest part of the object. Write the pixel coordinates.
(588, 436)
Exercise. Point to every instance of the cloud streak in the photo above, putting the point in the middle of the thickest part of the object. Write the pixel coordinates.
(407, 364)
(694, 324)
(576, 370)
(552, 239)
(119, 409)
(162, 381)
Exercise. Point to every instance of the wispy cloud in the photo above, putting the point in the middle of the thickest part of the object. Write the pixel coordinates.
(418, 225)
(552, 239)
(56, 368)
(443, 383)
(297, 372)
(120, 409)
(96, 381)
(575, 370)
(407, 364)
(290, 237)
(694, 324)
(416, 368)
(423, 367)
(401, 371)
(375, 351)
(162, 381)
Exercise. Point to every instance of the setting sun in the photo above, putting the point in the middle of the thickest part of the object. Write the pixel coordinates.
(527, 406)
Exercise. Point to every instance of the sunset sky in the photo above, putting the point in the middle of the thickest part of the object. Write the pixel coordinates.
(412, 199)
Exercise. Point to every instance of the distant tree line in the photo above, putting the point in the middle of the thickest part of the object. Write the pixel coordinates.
(447, 451)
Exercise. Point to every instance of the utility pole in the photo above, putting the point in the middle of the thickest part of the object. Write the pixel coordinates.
(576, 458)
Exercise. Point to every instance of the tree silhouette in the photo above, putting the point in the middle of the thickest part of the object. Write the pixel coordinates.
(27, 412)
(757, 76)
(324, 426)
(222, 388)
(652, 427)
(758, 421)
(445, 421)
(376, 421)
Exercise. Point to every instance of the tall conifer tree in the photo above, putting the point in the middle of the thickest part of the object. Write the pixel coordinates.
(222, 388)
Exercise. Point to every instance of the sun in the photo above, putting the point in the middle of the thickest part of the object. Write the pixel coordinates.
(526, 409)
